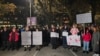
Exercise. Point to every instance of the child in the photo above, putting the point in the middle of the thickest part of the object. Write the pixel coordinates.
(86, 40)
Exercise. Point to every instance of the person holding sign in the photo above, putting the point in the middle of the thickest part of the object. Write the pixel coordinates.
(86, 40)
(37, 46)
(74, 31)
(64, 36)
(53, 36)
(27, 46)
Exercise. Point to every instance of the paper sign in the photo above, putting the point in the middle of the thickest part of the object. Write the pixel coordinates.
(26, 38)
(64, 33)
(74, 40)
(37, 38)
(54, 34)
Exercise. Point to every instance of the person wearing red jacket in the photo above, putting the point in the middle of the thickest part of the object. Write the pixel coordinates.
(86, 40)
(13, 38)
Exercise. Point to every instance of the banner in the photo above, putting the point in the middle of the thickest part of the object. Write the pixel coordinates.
(54, 34)
(84, 18)
(74, 40)
(26, 38)
(37, 38)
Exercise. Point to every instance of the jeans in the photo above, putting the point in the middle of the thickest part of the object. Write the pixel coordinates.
(64, 41)
(85, 45)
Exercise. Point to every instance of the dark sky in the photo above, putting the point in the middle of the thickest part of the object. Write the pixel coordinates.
(17, 2)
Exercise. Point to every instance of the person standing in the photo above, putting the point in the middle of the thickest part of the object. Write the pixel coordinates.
(38, 47)
(86, 40)
(27, 46)
(95, 40)
(45, 36)
(64, 38)
(13, 39)
(53, 38)
(5, 36)
(74, 31)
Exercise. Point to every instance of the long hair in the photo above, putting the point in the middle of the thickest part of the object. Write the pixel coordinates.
(86, 29)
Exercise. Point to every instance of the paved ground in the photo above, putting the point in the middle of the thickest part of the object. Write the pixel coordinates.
(46, 51)
(80, 53)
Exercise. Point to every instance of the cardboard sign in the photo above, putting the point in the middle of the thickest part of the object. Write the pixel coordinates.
(26, 38)
(84, 18)
(64, 33)
(74, 40)
(37, 38)
(54, 35)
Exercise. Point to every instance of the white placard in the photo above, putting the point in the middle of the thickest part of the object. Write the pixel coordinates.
(54, 34)
(64, 33)
(57, 35)
(26, 38)
(37, 38)
(84, 18)
(74, 40)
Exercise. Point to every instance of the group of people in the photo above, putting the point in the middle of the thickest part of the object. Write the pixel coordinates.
(90, 37)
(9, 38)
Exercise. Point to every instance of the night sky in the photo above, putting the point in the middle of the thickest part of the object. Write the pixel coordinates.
(17, 2)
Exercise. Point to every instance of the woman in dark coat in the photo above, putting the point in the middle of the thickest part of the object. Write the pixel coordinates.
(53, 39)
(95, 40)
(45, 36)
(5, 36)
(65, 29)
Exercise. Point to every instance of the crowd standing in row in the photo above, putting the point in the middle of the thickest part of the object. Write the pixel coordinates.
(10, 38)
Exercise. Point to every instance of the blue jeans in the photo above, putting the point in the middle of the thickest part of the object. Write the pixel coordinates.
(64, 41)
(85, 46)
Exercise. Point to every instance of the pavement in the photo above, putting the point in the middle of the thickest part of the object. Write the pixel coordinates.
(45, 51)
(80, 52)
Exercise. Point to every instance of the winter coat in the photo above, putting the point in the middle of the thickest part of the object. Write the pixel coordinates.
(14, 38)
(5, 35)
(95, 39)
(86, 37)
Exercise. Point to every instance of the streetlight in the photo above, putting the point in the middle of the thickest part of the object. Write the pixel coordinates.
(30, 5)
(30, 9)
